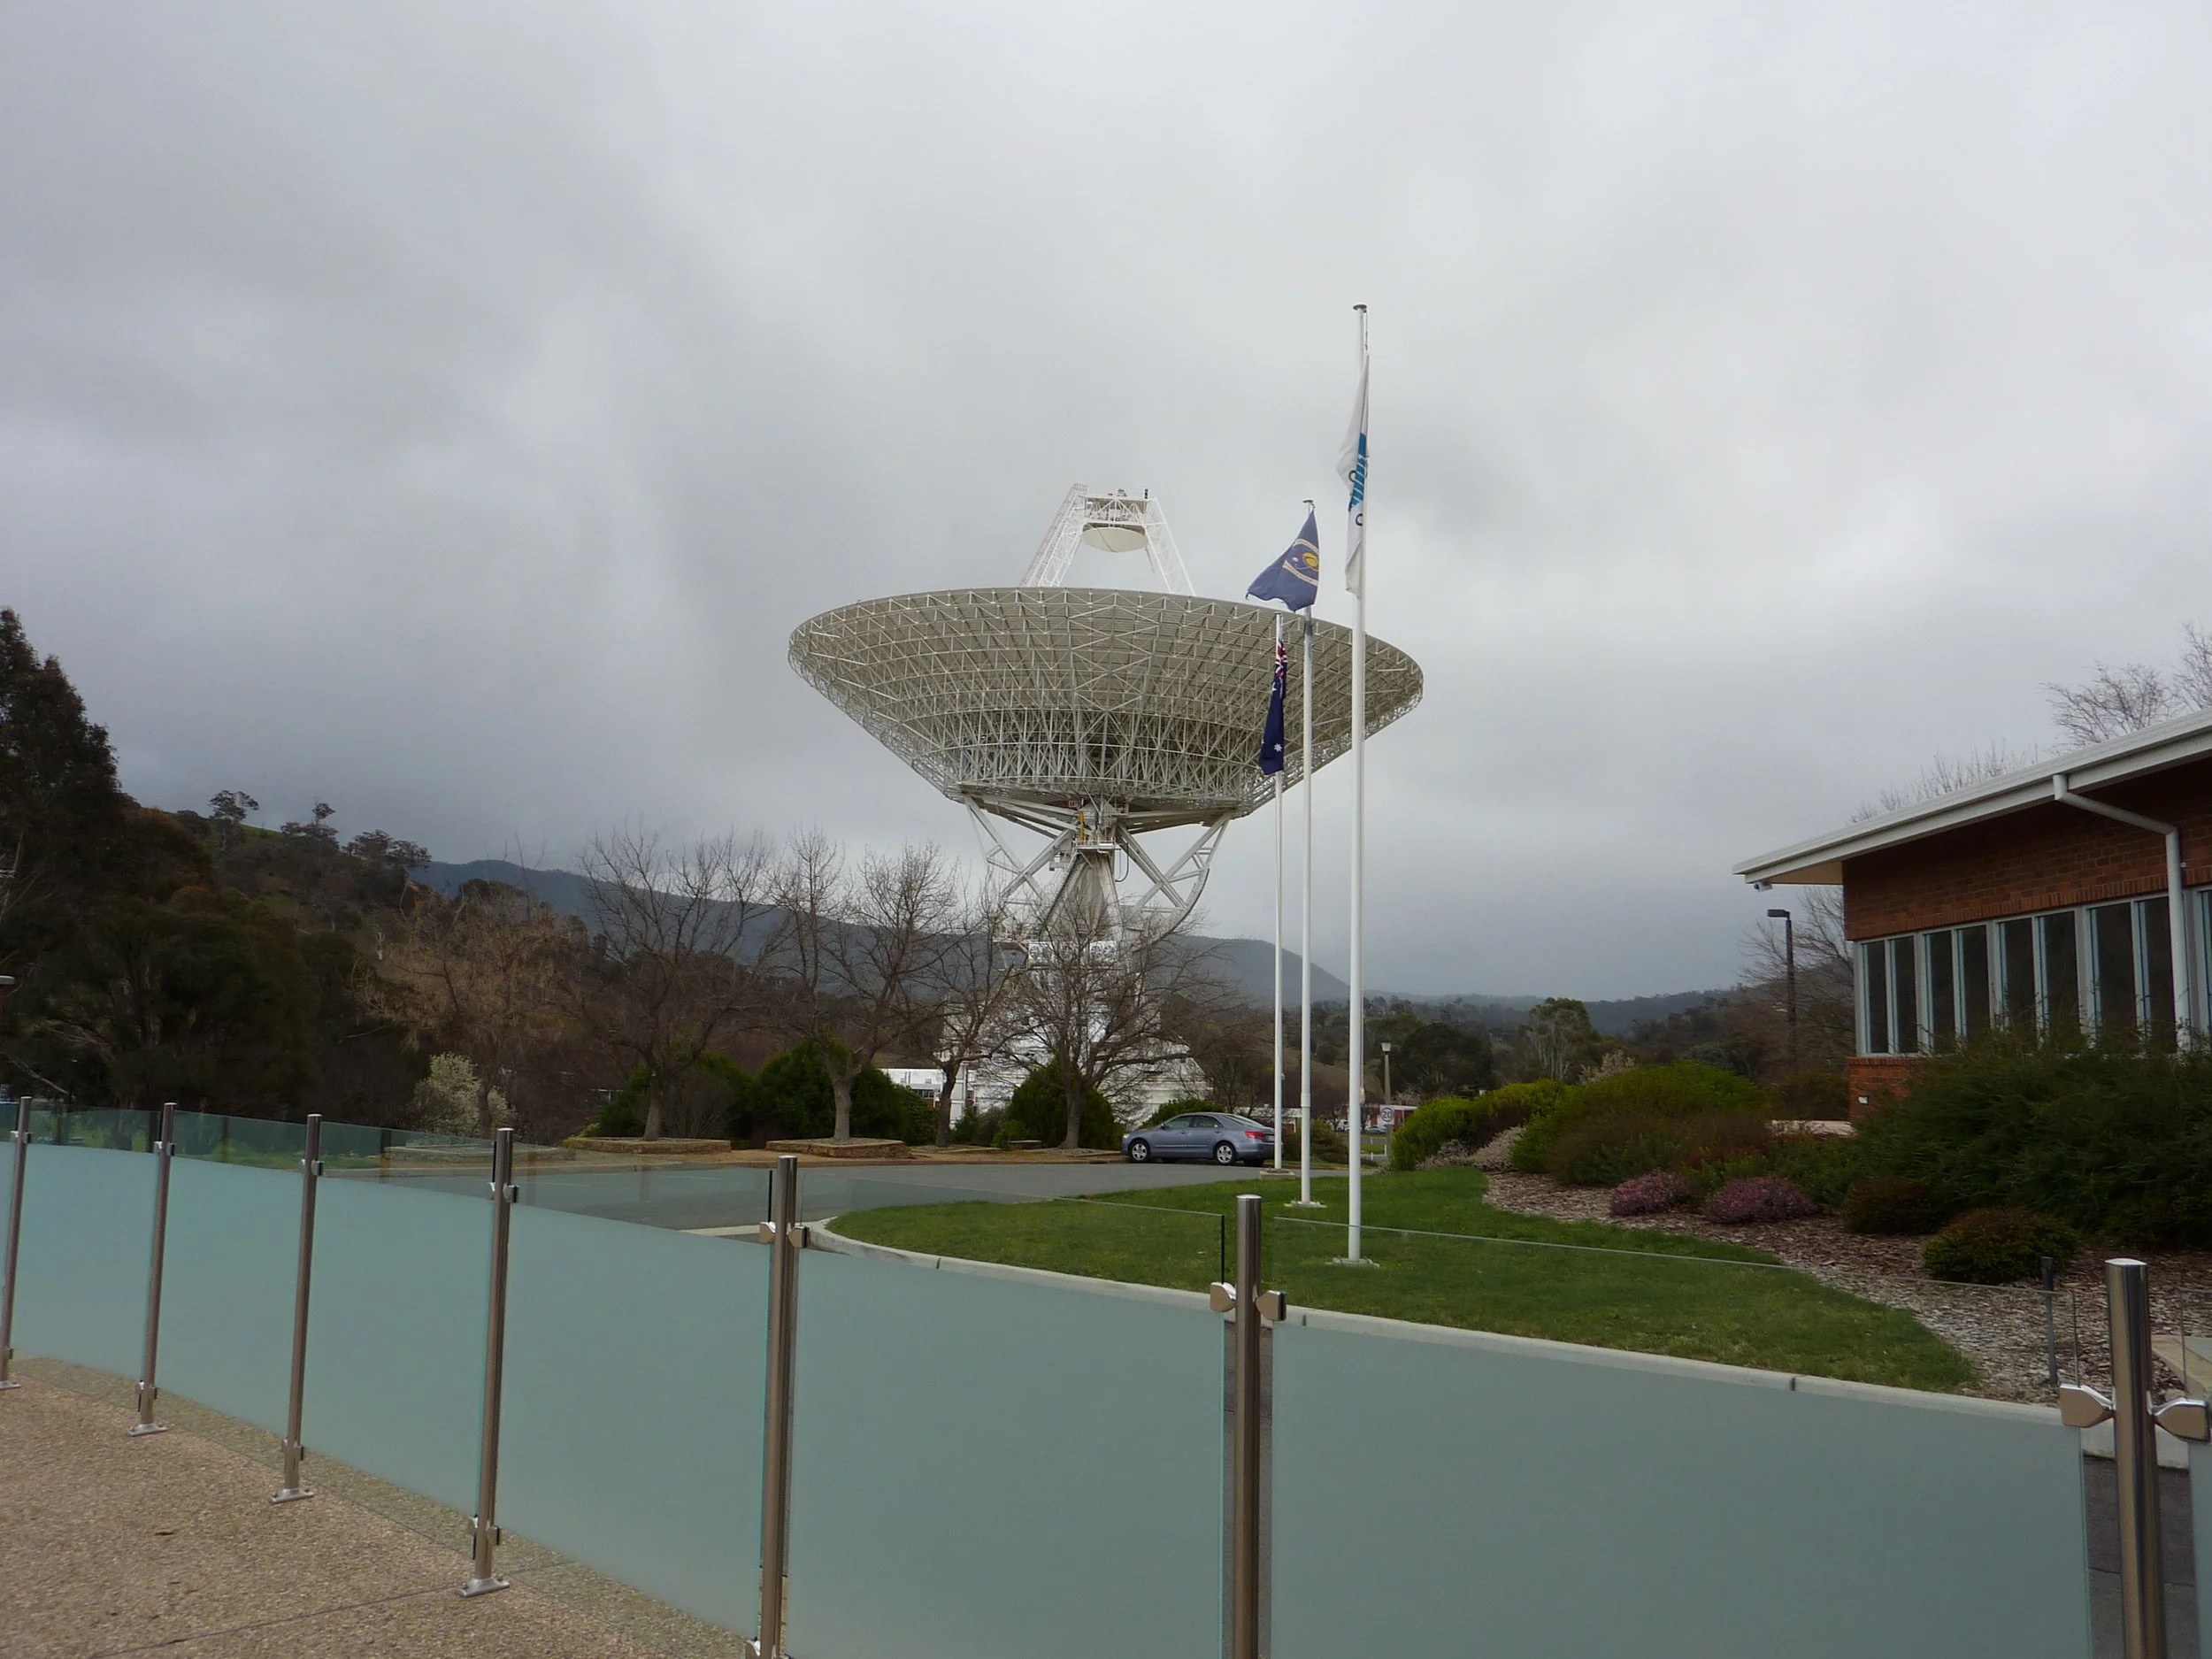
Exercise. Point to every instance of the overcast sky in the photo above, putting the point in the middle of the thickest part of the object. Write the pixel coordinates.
(449, 409)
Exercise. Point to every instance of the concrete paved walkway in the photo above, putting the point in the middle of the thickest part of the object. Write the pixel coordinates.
(110, 1545)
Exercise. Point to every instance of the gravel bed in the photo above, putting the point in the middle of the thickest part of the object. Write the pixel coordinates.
(2001, 1328)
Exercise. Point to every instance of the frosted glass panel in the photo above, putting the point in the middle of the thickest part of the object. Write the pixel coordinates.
(992, 1468)
(227, 1288)
(1551, 1506)
(633, 1433)
(88, 1221)
(396, 1335)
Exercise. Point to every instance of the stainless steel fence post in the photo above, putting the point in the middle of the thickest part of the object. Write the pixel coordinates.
(310, 1172)
(784, 1237)
(2135, 1460)
(2050, 1316)
(15, 1242)
(165, 1155)
(1247, 1407)
(484, 1525)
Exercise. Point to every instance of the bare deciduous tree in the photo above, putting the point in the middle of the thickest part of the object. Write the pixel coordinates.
(1827, 1007)
(673, 922)
(961, 1021)
(1111, 1005)
(483, 973)
(857, 951)
(2113, 702)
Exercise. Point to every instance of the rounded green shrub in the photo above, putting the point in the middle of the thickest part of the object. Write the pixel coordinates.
(1998, 1246)
(1683, 1090)
(1039, 1112)
(1894, 1203)
(1452, 1117)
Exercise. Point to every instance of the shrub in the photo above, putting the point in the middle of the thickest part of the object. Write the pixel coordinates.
(1759, 1198)
(1329, 1147)
(1824, 1165)
(1601, 1151)
(793, 1097)
(1648, 1194)
(1818, 1095)
(1894, 1203)
(1039, 1112)
(1997, 1247)
(1680, 1090)
(2108, 1139)
(1474, 1123)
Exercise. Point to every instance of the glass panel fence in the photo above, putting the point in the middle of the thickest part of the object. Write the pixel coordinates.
(633, 1403)
(1001, 1467)
(395, 1334)
(87, 1229)
(1445, 1491)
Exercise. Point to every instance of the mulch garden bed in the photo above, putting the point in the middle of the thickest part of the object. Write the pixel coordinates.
(2001, 1328)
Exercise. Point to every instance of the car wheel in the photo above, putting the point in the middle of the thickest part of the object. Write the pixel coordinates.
(1141, 1152)
(1225, 1154)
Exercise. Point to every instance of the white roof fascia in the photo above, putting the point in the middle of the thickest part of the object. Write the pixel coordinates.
(1819, 861)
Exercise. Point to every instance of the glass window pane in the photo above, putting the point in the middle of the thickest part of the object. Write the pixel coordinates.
(1973, 982)
(1874, 981)
(2019, 964)
(1943, 1024)
(2158, 971)
(2061, 975)
(2116, 986)
(1907, 997)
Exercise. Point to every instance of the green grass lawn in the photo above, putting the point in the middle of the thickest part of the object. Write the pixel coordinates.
(1653, 1293)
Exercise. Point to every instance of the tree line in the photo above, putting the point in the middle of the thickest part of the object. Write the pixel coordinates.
(195, 957)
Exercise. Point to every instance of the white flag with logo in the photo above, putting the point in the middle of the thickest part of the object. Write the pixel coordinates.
(1351, 466)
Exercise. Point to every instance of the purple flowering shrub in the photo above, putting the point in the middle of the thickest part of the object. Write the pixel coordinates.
(1759, 1198)
(1648, 1194)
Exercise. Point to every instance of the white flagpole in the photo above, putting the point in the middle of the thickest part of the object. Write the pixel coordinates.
(1305, 928)
(1279, 919)
(1358, 987)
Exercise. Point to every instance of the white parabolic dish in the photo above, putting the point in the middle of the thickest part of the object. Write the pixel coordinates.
(1033, 703)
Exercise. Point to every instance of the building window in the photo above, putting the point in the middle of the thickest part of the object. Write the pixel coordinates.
(2119, 987)
(2105, 969)
(1973, 999)
(1943, 1013)
(1874, 997)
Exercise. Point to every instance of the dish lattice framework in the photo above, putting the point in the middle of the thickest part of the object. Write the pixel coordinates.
(1094, 717)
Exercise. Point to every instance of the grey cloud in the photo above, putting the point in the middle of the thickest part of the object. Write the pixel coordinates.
(449, 410)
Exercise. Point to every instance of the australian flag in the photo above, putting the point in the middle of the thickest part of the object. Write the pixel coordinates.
(1271, 738)
(1295, 578)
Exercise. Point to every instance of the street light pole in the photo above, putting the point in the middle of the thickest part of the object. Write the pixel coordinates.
(1789, 960)
(1387, 1096)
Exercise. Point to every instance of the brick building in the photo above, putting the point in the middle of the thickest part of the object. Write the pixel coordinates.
(2048, 895)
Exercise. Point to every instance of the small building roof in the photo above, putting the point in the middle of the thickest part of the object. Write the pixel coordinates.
(1819, 861)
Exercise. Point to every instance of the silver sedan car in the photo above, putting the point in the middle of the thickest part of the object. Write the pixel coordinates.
(1215, 1137)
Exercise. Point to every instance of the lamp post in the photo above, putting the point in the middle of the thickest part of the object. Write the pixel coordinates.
(1387, 1096)
(1789, 960)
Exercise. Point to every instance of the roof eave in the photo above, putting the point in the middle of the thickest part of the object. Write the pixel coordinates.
(1820, 861)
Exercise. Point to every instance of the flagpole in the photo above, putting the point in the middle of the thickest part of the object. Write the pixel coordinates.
(1359, 986)
(1305, 924)
(1278, 933)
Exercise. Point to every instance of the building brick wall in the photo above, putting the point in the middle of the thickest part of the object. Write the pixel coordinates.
(2041, 859)
(1870, 1076)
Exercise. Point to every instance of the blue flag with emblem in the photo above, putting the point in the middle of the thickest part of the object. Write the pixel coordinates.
(1295, 578)
(1272, 737)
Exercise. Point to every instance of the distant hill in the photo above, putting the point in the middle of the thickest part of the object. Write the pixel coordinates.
(1246, 964)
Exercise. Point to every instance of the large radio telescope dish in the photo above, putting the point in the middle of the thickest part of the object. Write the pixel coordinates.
(1094, 717)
